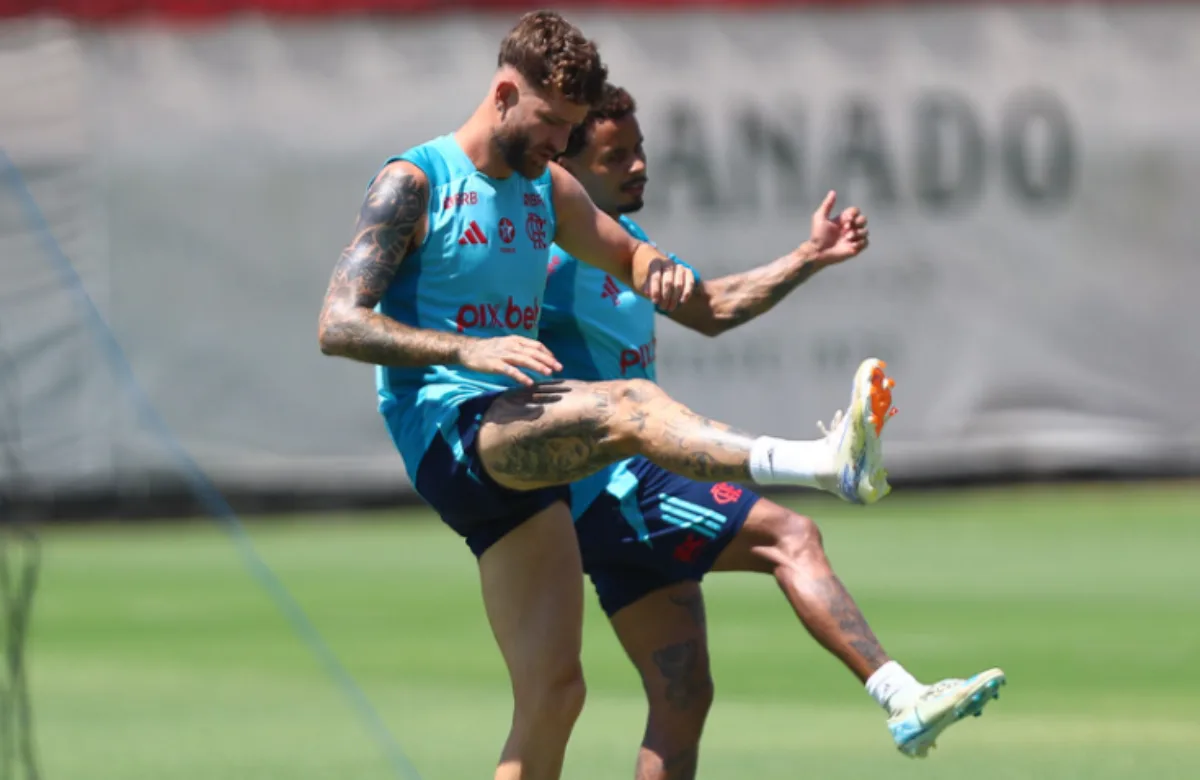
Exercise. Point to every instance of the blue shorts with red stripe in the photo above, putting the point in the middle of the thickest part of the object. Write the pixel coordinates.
(652, 528)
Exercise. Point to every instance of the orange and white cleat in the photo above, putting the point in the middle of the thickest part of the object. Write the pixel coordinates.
(858, 455)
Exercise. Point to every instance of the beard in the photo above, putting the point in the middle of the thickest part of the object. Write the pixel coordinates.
(632, 207)
(638, 201)
(514, 150)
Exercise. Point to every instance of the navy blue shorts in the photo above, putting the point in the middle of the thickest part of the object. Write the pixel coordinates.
(451, 478)
(655, 528)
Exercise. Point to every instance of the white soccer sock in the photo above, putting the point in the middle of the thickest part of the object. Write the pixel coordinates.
(784, 462)
(892, 687)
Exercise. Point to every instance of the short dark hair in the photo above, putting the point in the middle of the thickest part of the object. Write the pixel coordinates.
(551, 53)
(615, 104)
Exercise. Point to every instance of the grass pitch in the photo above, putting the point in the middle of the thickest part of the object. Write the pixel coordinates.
(155, 656)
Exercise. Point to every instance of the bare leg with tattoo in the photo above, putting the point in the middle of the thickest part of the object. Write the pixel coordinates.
(665, 636)
(561, 432)
(777, 541)
(647, 551)
(564, 431)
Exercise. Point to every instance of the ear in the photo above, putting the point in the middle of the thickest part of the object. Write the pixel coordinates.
(505, 96)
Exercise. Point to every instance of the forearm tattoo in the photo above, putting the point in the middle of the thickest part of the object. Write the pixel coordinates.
(387, 223)
(739, 298)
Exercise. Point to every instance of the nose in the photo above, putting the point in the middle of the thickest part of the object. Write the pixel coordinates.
(639, 164)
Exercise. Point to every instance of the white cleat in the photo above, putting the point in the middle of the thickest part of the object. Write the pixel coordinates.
(858, 473)
(916, 727)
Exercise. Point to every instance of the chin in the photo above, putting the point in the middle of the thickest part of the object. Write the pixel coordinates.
(534, 170)
(633, 207)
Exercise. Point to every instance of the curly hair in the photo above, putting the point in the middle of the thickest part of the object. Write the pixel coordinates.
(551, 53)
(614, 104)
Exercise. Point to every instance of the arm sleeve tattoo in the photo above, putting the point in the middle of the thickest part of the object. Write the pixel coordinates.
(385, 233)
(729, 301)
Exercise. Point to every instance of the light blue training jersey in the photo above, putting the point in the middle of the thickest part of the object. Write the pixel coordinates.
(481, 271)
(599, 329)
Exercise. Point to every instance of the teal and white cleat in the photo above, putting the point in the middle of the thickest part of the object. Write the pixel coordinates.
(858, 475)
(916, 727)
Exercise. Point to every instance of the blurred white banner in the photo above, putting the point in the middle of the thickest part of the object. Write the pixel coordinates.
(1030, 175)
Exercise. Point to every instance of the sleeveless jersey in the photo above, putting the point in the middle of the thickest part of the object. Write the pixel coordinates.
(599, 329)
(481, 271)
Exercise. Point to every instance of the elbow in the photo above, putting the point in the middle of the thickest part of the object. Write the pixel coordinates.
(331, 333)
(705, 327)
(717, 325)
(329, 346)
(327, 341)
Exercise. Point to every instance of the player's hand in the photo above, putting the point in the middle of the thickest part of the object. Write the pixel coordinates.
(837, 239)
(669, 283)
(507, 355)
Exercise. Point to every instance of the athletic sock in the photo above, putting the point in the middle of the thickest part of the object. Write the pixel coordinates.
(892, 687)
(784, 462)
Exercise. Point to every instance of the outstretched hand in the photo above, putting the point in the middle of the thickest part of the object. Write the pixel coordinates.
(837, 239)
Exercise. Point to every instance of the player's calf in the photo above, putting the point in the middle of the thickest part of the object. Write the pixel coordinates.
(775, 540)
(778, 541)
(665, 756)
(679, 707)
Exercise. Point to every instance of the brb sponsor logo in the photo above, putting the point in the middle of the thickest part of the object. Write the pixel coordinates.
(500, 316)
(460, 199)
(642, 357)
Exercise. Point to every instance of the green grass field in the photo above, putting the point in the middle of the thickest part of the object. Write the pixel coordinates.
(156, 656)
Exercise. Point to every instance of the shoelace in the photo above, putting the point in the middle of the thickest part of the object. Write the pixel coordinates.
(937, 689)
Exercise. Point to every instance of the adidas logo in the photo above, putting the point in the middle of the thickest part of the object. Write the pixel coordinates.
(610, 290)
(473, 235)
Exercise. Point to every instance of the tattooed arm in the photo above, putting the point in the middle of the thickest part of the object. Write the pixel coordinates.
(391, 223)
(725, 303)
(721, 304)
(599, 240)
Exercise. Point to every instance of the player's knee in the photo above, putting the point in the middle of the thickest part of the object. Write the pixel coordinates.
(553, 698)
(796, 537)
